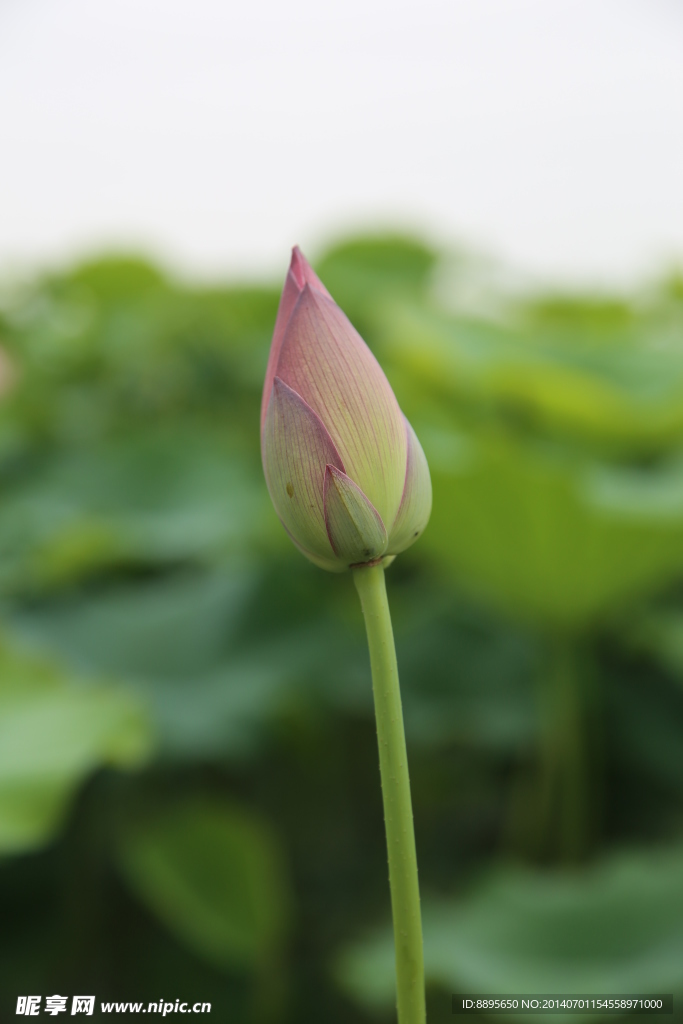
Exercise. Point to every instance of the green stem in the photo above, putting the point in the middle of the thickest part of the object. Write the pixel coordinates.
(398, 811)
(565, 809)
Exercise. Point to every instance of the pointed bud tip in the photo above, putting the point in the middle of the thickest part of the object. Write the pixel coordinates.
(298, 266)
(302, 273)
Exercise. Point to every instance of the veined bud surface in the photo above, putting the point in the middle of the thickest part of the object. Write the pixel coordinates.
(345, 471)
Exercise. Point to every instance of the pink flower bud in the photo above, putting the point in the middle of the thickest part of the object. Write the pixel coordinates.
(346, 473)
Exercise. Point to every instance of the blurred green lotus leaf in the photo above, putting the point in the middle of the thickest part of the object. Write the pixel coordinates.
(363, 270)
(155, 496)
(558, 483)
(53, 734)
(547, 534)
(613, 927)
(213, 874)
(625, 396)
(171, 641)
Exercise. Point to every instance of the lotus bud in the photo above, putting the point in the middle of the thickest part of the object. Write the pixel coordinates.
(345, 471)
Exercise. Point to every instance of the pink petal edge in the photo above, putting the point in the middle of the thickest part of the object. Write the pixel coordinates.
(299, 275)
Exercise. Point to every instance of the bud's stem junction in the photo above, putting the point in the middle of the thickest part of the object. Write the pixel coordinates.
(398, 811)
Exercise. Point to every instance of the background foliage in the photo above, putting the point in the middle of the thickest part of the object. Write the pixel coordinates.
(189, 793)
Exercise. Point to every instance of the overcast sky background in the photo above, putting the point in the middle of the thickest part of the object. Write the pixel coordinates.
(216, 134)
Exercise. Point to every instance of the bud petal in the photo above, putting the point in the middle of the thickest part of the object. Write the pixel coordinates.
(332, 564)
(300, 274)
(354, 526)
(327, 362)
(416, 503)
(296, 450)
(340, 459)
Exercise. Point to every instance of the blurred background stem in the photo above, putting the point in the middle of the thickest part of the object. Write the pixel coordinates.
(563, 789)
(398, 811)
(565, 809)
(555, 808)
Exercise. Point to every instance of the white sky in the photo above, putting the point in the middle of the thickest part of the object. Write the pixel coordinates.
(217, 134)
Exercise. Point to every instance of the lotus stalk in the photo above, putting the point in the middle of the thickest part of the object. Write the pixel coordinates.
(350, 483)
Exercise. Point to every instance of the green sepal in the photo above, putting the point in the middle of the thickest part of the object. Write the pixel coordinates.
(354, 526)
